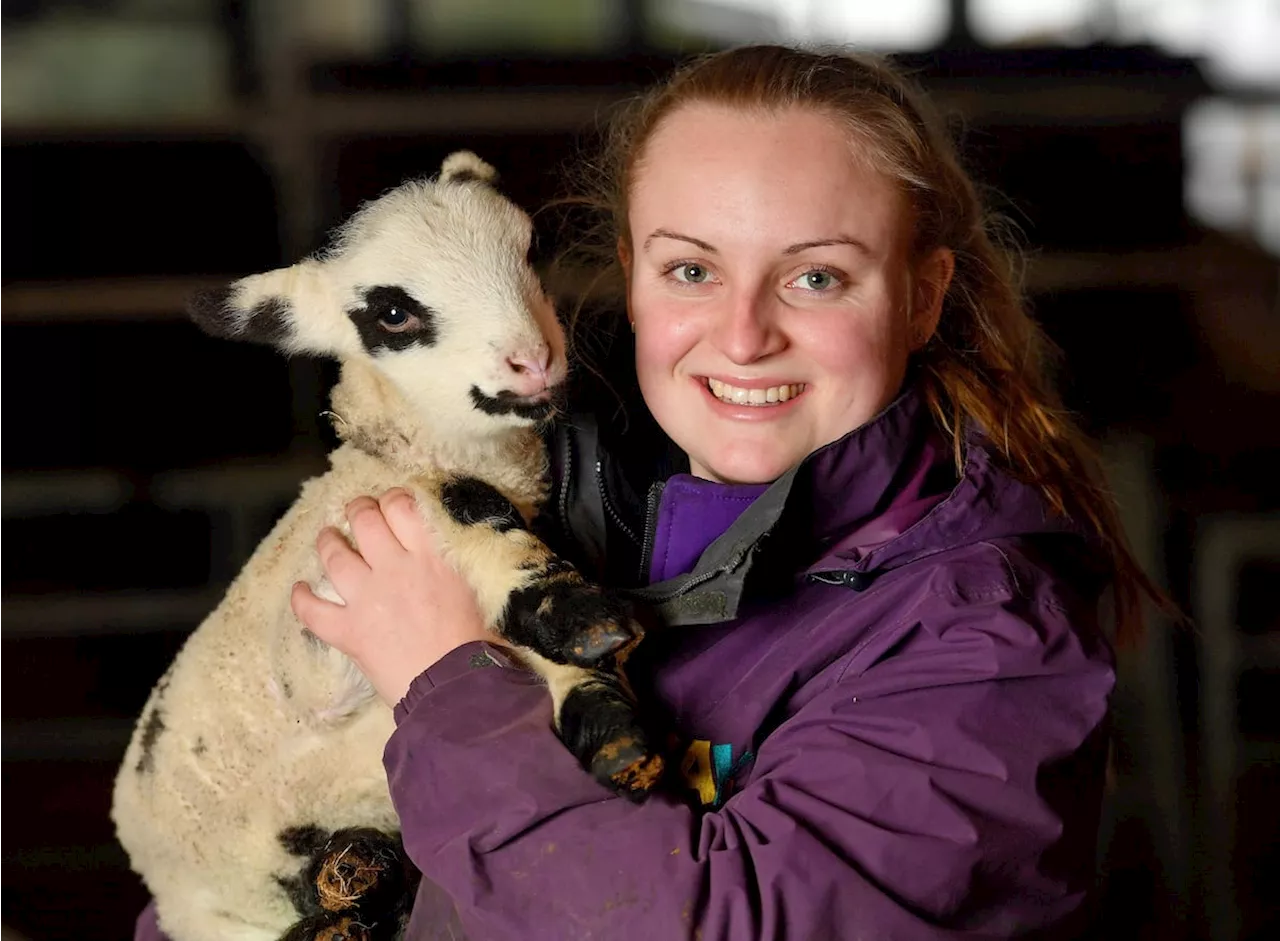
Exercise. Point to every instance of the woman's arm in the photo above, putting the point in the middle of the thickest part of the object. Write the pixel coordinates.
(948, 789)
(916, 800)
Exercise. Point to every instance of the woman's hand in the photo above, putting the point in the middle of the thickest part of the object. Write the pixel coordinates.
(405, 606)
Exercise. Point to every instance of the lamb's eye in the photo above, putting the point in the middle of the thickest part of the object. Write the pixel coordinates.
(388, 309)
(396, 319)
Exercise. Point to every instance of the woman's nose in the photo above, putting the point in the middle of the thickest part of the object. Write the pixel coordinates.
(745, 329)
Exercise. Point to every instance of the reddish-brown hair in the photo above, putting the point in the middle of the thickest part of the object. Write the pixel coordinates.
(986, 364)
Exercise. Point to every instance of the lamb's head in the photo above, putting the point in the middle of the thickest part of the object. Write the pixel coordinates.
(430, 285)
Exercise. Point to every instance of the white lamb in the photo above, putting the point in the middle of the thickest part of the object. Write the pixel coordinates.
(227, 801)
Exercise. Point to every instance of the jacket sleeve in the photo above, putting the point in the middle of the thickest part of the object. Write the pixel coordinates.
(147, 928)
(946, 787)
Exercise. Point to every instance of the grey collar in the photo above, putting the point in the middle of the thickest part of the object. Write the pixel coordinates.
(713, 591)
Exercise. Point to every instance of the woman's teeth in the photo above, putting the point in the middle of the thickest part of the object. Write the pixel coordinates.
(738, 396)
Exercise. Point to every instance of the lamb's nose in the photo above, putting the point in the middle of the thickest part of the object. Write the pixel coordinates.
(530, 371)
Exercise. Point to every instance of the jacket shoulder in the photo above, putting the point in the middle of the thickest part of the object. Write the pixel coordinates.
(1050, 569)
(992, 608)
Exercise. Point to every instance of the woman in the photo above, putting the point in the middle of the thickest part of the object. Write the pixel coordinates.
(879, 578)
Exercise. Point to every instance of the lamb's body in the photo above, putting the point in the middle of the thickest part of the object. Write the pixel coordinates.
(227, 754)
(261, 743)
(259, 728)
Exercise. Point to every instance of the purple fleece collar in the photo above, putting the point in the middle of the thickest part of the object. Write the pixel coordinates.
(693, 512)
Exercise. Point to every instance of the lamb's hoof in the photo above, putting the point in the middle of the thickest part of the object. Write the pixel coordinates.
(346, 928)
(569, 621)
(331, 926)
(360, 869)
(587, 626)
(628, 767)
(600, 639)
(598, 724)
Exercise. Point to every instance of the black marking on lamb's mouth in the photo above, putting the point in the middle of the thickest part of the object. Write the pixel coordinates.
(508, 403)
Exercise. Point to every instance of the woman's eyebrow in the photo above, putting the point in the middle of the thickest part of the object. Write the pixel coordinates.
(820, 243)
(789, 250)
(668, 234)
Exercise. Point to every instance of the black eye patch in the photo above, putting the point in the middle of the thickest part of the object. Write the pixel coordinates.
(391, 319)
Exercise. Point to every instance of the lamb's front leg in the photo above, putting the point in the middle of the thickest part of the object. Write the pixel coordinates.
(575, 635)
(530, 597)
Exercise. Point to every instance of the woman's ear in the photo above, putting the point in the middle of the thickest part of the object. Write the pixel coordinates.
(933, 277)
(624, 259)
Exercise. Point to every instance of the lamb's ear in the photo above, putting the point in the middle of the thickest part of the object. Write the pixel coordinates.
(263, 308)
(465, 167)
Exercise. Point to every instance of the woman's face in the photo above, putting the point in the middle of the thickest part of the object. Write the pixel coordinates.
(769, 282)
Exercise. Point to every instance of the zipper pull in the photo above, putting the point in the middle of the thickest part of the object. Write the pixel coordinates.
(856, 581)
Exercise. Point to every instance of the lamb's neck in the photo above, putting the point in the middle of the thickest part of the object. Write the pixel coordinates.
(372, 415)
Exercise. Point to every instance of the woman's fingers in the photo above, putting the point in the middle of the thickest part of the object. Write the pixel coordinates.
(400, 510)
(373, 536)
(322, 618)
(343, 565)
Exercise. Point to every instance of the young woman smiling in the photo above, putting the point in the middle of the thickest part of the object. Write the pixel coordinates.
(875, 545)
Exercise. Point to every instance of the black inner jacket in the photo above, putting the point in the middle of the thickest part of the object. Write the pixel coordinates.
(607, 453)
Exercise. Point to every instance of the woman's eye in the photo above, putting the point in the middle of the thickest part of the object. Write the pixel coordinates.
(691, 273)
(817, 280)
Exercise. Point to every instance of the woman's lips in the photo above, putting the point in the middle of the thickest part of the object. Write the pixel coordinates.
(756, 394)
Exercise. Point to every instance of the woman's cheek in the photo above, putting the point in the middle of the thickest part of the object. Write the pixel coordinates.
(662, 336)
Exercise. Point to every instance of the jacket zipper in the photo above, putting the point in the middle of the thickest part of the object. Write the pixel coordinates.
(566, 476)
(693, 583)
(650, 524)
(608, 506)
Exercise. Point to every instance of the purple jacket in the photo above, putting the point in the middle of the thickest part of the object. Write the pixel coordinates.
(888, 691)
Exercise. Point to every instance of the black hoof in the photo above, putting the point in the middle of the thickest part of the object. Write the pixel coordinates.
(600, 639)
(569, 621)
(598, 724)
(359, 886)
(332, 926)
(359, 869)
(627, 766)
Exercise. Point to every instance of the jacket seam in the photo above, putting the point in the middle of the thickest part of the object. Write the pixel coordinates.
(895, 631)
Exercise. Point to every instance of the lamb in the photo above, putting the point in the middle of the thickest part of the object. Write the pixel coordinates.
(252, 798)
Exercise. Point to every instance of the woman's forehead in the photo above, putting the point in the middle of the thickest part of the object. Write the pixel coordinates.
(720, 166)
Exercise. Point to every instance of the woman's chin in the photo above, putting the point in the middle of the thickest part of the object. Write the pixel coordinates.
(743, 469)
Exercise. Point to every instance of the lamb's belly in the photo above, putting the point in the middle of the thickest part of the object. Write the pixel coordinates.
(219, 816)
(233, 766)
(257, 775)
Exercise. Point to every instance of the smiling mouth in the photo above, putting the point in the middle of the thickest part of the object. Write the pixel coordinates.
(736, 395)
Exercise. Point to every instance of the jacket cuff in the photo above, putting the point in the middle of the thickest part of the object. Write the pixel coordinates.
(473, 655)
(147, 927)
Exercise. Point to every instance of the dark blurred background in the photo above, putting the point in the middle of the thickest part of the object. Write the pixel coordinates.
(151, 147)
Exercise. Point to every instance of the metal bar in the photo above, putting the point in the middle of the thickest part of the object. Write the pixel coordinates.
(130, 611)
(78, 738)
